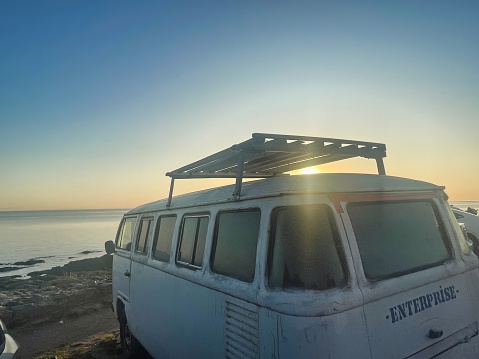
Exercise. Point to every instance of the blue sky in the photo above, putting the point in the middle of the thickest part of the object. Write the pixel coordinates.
(99, 99)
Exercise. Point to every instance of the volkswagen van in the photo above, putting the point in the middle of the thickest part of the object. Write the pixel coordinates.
(294, 266)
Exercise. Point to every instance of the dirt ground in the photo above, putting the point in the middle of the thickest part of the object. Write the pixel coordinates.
(57, 307)
(35, 340)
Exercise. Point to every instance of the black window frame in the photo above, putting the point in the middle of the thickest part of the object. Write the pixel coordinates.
(336, 240)
(156, 234)
(191, 265)
(119, 233)
(150, 220)
(215, 241)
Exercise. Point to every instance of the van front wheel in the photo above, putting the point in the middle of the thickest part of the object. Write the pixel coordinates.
(130, 347)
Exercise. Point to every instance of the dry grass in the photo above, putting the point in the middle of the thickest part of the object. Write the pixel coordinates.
(100, 346)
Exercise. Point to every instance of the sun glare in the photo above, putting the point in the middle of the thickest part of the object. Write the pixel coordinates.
(308, 171)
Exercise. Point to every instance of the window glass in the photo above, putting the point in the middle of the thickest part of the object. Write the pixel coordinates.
(144, 234)
(305, 249)
(193, 238)
(201, 241)
(126, 234)
(236, 238)
(395, 238)
(188, 237)
(163, 238)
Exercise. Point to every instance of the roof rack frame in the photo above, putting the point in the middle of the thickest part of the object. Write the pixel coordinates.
(269, 155)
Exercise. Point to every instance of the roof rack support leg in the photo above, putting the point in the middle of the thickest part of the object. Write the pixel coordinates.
(239, 176)
(380, 164)
(170, 195)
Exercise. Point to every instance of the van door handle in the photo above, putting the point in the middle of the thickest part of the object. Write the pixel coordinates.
(127, 273)
(434, 334)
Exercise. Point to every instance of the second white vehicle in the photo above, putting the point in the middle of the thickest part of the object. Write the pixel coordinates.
(8, 346)
(471, 222)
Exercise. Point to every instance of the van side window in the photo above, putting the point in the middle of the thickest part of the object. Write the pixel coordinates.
(163, 238)
(192, 241)
(144, 233)
(398, 237)
(125, 234)
(235, 242)
(305, 249)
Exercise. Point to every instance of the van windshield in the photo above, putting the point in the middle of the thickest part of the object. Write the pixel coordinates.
(395, 238)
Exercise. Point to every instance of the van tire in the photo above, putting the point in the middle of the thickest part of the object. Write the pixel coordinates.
(130, 347)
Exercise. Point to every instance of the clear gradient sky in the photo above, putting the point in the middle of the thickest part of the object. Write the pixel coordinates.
(100, 98)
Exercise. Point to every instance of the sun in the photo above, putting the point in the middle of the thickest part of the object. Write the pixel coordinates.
(306, 171)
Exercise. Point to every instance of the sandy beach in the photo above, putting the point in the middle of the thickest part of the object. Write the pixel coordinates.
(58, 306)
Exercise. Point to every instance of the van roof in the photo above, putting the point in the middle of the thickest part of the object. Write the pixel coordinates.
(299, 184)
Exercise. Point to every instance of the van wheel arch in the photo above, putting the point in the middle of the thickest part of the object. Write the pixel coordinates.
(130, 346)
(120, 308)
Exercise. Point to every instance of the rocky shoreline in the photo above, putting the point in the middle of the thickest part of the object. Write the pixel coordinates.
(74, 289)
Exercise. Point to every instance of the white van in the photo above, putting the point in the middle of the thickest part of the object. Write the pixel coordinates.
(471, 221)
(294, 266)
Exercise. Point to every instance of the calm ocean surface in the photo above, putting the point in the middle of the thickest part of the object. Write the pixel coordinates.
(465, 204)
(58, 237)
(55, 237)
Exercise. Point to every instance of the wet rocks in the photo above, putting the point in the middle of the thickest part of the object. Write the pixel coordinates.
(30, 262)
(71, 290)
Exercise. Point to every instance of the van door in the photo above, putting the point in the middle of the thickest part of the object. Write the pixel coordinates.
(121, 269)
(418, 299)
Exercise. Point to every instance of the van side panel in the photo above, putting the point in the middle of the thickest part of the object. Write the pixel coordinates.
(341, 335)
(175, 318)
(445, 307)
(211, 324)
(120, 281)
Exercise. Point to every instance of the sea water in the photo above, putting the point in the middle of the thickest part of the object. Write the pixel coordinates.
(53, 238)
(465, 204)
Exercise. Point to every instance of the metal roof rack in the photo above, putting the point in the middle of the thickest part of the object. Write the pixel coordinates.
(268, 155)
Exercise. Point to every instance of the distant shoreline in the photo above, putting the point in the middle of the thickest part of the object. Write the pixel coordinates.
(101, 262)
(40, 240)
(6, 268)
(66, 210)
